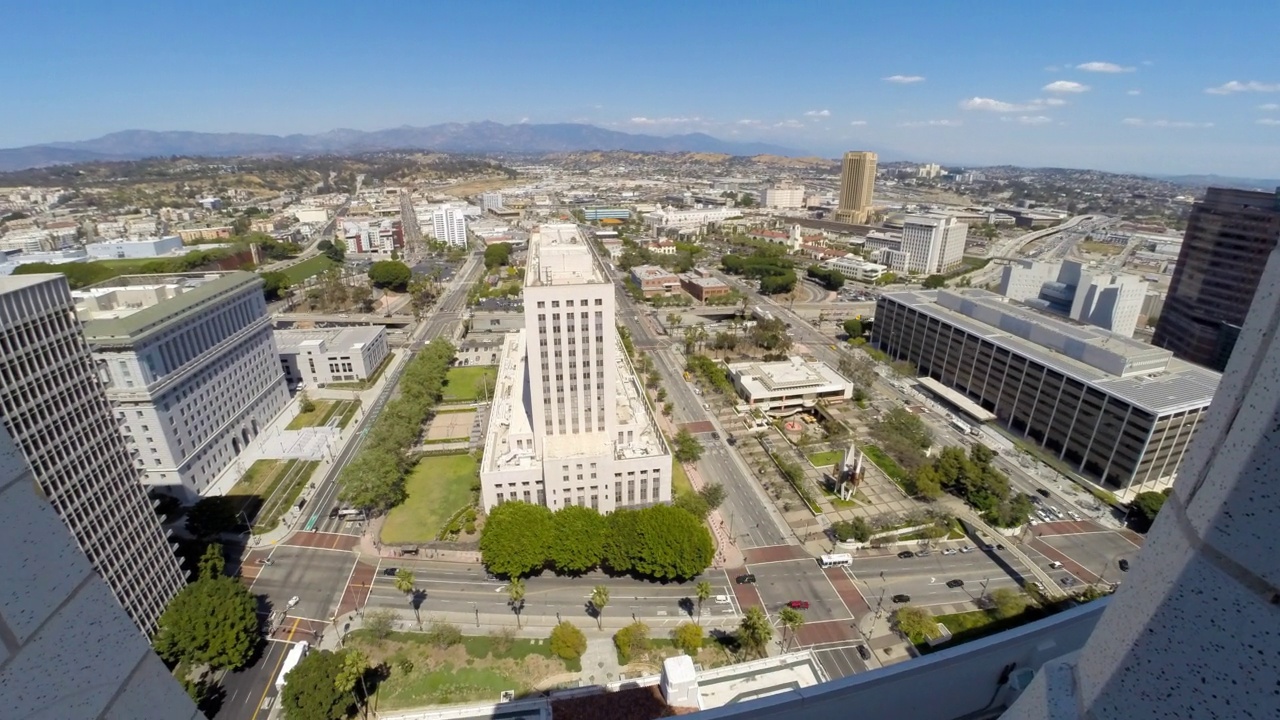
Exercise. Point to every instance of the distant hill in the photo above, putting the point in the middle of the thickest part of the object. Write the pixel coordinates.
(1221, 181)
(475, 137)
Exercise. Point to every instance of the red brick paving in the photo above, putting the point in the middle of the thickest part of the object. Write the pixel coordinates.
(328, 541)
(747, 595)
(776, 553)
(1067, 527)
(356, 594)
(703, 426)
(847, 591)
(823, 633)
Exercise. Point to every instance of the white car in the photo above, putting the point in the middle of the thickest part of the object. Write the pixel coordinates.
(966, 549)
(722, 600)
(1074, 515)
(950, 551)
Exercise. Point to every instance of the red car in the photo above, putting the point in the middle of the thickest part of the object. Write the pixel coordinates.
(799, 604)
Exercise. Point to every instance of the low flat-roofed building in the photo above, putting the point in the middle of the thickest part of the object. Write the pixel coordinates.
(480, 350)
(319, 357)
(1118, 411)
(654, 280)
(703, 287)
(789, 385)
(134, 248)
(855, 268)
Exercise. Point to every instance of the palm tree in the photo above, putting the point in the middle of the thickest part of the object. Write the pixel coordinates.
(674, 319)
(702, 591)
(792, 620)
(404, 583)
(754, 632)
(354, 665)
(515, 597)
(599, 599)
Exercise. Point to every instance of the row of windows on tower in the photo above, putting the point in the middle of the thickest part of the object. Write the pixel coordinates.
(567, 303)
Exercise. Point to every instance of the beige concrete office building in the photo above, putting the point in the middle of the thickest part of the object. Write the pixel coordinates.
(570, 423)
(857, 184)
(1118, 411)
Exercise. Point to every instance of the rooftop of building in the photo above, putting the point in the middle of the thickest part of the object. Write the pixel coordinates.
(794, 373)
(335, 340)
(559, 255)
(1133, 371)
(710, 282)
(135, 240)
(480, 341)
(651, 272)
(130, 306)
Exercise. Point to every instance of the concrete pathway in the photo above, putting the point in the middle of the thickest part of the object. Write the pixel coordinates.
(600, 661)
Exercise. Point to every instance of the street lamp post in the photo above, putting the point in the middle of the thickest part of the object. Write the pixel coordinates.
(476, 608)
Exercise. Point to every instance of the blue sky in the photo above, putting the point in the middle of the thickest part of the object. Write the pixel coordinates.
(1164, 87)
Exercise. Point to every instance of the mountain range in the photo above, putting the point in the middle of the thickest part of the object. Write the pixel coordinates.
(473, 137)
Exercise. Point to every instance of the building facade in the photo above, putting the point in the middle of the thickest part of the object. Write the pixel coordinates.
(570, 423)
(491, 201)
(654, 280)
(139, 248)
(790, 386)
(855, 268)
(672, 219)
(316, 358)
(604, 213)
(479, 350)
(191, 367)
(1107, 300)
(449, 226)
(1229, 236)
(55, 408)
(857, 187)
(783, 195)
(935, 243)
(702, 288)
(1118, 411)
(71, 651)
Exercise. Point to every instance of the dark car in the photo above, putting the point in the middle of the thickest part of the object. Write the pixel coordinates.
(906, 554)
(798, 604)
(1124, 565)
(746, 579)
(955, 583)
(900, 598)
(1043, 492)
(863, 652)
(715, 436)
(390, 572)
(334, 512)
(1068, 581)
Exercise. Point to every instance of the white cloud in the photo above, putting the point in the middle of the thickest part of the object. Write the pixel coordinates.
(930, 123)
(664, 121)
(1181, 124)
(858, 122)
(1029, 119)
(1235, 86)
(1104, 67)
(992, 105)
(1133, 92)
(1055, 102)
(1065, 86)
(1268, 121)
(904, 79)
(818, 113)
(1268, 107)
(748, 121)
(789, 124)
(523, 120)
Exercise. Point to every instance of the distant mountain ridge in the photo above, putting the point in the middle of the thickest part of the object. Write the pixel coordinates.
(473, 137)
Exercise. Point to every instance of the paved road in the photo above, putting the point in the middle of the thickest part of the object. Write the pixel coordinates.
(925, 578)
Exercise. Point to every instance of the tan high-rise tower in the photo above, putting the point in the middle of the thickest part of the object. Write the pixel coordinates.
(857, 181)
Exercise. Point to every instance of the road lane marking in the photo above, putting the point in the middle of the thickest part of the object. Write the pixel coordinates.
(271, 678)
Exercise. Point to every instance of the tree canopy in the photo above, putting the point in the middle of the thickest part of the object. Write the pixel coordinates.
(497, 255)
(687, 447)
(853, 327)
(274, 285)
(213, 621)
(567, 641)
(212, 516)
(661, 542)
(934, 282)
(754, 631)
(577, 539)
(390, 275)
(313, 688)
(830, 279)
(1146, 506)
(915, 623)
(517, 539)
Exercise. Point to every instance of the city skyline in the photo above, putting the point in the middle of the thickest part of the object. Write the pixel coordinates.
(1128, 90)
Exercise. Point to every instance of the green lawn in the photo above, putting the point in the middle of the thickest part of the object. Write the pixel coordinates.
(446, 685)
(680, 484)
(307, 268)
(468, 384)
(822, 459)
(438, 487)
(325, 411)
(269, 488)
(972, 625)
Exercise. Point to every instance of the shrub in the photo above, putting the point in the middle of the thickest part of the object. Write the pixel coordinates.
(567, 641)
(631, 641)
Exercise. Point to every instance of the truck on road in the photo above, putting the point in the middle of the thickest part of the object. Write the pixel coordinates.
(291, 660)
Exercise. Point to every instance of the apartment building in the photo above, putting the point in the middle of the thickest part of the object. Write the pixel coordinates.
(783, 195)
(372, 235)
(449, 226)
(53, 404)
(857, 187)
(491, 201)
(935, 243)
(191, 367)
(570, 423)
(1229, 236)
(316, 358)
(1118, 411)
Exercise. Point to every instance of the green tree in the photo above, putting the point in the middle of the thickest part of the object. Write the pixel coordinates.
(336, 251)
(312, 690)
(212, 516)
(274, 285)
(687, 447)
(900, 422)
(212, 563)
(853, 327)
(792, 620)
(354, 666)
(702, 591)
(517, 538)
(497, 255)
(692, 503)
(380, 622)
(857, 529)
(391, 275)
(934, 282)
(712, 494)
(567, 641)
(599, 600)
(688, 638)
(1146, 506)
(443, 635)
(631, 641)
(305, 403)
(926, 483)
(212, 621)
(577, 539)
(515, 597)
(754, 632)
(1006, 602)
(660, 542)
(915, 623)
